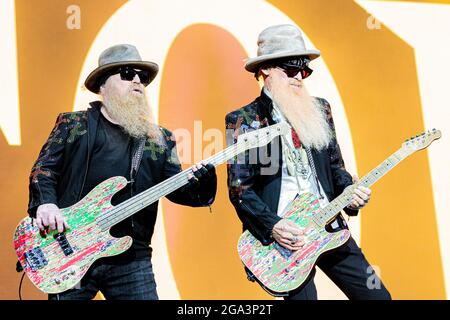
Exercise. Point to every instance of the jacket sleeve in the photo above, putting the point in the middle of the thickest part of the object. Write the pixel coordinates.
(200, 195)
(254, 213)
(46, 170)
(341, 178)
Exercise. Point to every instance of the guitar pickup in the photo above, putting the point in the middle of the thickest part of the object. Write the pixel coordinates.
(285, 253)
(63, 243)
(35, 259)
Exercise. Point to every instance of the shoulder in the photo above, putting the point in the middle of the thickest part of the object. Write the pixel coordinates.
(246, 116)
(71, 118)
(68, 122)
(325, 106)
(167, 136)
(322, 102)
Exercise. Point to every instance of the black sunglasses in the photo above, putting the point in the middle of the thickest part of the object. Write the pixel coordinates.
(128, 74)
(291, 72)
(292, 67)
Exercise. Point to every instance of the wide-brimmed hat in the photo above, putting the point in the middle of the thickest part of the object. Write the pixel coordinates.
(279, 41)
(116, 56)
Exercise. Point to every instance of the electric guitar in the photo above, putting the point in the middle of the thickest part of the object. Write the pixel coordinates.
(57, 262)
(279, 270)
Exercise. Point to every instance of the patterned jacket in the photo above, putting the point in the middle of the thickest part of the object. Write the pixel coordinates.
(255, 196)
(59, 173)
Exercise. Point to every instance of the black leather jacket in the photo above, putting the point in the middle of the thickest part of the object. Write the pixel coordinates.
(255, 196)
(59, 173)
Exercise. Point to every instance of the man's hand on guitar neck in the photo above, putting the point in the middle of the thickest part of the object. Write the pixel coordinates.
(288, 235)
(49, 218)
(361, 196)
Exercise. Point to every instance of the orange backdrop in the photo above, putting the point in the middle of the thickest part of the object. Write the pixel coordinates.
(203, 79)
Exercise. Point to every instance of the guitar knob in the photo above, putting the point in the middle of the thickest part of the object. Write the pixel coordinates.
(57, 281)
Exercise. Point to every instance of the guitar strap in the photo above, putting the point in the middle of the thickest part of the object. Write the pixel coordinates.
(136, 160)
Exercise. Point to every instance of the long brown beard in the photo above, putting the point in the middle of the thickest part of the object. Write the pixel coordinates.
(306, 116)
(133, 113)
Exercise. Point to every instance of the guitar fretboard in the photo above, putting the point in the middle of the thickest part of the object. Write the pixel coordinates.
(153, 194)
(329, 212)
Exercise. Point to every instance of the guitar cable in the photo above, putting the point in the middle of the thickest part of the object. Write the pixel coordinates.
(19, 269)
(20, 286)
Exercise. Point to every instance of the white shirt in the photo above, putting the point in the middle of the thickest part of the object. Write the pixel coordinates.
(289, 186)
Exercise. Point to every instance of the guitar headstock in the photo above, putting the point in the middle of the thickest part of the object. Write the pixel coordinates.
(263, 136)
(422, 141)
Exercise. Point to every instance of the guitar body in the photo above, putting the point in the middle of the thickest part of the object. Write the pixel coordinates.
(280, 270)
(57, 262)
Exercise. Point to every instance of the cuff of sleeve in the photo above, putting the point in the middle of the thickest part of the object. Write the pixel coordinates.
(351, 212)
(32, 212)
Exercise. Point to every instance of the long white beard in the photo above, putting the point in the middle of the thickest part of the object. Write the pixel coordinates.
(133, 113)
(307, 117)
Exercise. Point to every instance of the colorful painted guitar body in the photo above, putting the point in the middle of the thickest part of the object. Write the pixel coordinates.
(59, 261)
(280, 270)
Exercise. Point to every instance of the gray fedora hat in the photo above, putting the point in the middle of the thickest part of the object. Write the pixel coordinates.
(279, 41)
(116, 56)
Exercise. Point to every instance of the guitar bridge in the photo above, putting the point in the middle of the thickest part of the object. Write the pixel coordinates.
(35, 259)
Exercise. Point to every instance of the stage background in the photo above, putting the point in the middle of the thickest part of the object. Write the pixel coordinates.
(384, 68)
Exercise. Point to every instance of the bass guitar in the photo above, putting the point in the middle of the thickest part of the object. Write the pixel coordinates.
(57, 262)
(279, 270)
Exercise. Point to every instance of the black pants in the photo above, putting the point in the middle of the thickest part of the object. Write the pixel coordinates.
(347, 267)
(133, 280)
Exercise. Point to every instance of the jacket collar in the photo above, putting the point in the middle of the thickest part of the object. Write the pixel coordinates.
(93, 118)
(265, 106)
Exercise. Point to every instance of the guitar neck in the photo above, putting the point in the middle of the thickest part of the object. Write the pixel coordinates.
(330, 211)
(153, 194)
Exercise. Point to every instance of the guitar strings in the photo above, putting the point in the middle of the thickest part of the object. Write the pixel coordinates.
(328, 212)
(121, 211)
(227, 153)
(53, 248)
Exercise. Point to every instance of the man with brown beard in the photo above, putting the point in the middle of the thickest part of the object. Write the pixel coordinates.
(114, 137)
(307, 160)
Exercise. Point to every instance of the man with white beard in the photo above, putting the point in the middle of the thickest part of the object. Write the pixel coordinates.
(306, 160)
(114, 137)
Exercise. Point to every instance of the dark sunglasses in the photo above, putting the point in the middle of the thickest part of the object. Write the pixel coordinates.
(292, 67)
(128, 74)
